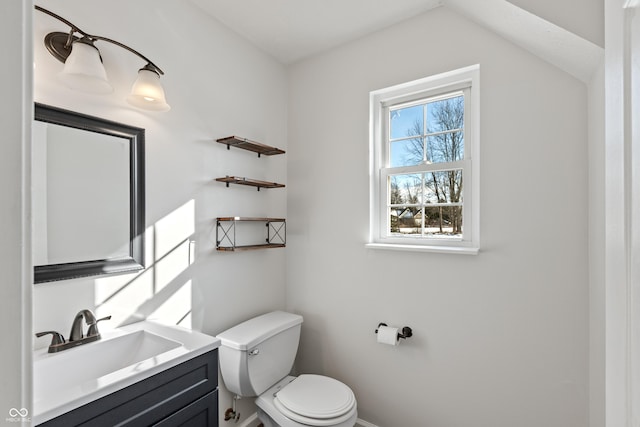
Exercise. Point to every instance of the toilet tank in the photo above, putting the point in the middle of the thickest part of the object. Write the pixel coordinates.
(259, 352)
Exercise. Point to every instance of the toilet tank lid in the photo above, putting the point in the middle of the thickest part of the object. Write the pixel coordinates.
(252, 332)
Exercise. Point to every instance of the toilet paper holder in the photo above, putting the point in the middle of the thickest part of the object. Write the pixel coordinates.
(406, 331)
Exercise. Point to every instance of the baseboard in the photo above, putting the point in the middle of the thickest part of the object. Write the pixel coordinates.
(253, 421)
(363, 423)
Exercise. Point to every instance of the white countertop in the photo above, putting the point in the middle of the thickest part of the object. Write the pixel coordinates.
(53, 398)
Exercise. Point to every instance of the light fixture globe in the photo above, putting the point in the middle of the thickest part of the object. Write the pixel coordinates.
(83, 69)
(147, 92)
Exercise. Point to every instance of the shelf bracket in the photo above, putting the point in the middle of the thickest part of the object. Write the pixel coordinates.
(282, 228)
(228, 234)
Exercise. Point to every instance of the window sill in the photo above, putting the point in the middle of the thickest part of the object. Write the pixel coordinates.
(460, 250)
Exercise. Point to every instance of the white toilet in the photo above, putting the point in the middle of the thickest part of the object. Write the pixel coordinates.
(256, 357)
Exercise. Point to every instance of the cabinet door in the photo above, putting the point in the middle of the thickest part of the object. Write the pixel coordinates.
(201, 413)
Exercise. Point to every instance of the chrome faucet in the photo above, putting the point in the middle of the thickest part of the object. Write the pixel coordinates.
(76, 333)
(76, 336)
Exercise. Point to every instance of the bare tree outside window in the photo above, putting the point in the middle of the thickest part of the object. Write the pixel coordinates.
(443, 142)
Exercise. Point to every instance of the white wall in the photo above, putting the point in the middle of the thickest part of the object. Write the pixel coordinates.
(582, 17)
(622, 202)
(597, 227)
(15, 211)
(218, 85)
(500, 339)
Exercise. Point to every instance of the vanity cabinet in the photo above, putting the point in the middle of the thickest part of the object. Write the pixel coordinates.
(184, 395)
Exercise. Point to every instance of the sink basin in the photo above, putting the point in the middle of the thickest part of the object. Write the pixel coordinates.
(90, 362)
(71, 378)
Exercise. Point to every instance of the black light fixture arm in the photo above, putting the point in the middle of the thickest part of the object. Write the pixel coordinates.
(74, 29)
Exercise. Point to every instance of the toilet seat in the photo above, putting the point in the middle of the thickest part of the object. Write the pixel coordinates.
(315, 400)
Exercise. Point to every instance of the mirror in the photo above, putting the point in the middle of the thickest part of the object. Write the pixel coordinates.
(88, 195)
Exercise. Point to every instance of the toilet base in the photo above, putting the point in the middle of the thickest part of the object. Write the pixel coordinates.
(265, 419)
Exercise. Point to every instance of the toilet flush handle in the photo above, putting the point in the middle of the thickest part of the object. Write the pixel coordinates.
(254, 352)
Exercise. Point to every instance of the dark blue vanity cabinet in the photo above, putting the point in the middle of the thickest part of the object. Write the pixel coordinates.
(185, 395)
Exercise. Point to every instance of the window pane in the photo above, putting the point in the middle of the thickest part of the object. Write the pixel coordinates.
(443, 221)
(447, 114)
(406, 152)
(443, 187)
(445, 147)
(405, 220)
(405, 189)
(406, 122)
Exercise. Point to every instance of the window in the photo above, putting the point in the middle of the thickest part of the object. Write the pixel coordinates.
(424, 164)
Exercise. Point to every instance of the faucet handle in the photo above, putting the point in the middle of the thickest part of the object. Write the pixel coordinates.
(56, 338)
(93, 328)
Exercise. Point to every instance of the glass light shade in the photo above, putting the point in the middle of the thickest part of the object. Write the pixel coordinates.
(83, 70)
(147, 92)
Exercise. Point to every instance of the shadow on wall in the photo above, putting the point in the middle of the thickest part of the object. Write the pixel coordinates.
(162, 291)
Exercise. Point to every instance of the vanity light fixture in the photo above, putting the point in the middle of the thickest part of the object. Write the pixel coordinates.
(83, 69)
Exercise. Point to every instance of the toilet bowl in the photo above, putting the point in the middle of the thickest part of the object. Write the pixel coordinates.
(256, 357)
(307, 400)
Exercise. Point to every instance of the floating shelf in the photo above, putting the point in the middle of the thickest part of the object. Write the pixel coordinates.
(249, 247)
(248, 181)
(249, 145)
(226, 233)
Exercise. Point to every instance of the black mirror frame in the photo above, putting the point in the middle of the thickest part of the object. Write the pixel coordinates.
(136, 136)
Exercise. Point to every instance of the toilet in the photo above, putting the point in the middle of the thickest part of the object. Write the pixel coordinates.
(256, 358)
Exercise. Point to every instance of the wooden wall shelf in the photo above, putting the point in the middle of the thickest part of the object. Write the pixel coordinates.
(246, 144)
(226, 233)
(276, 228)
(249, 181)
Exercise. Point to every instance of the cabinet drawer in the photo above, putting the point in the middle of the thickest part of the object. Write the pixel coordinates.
(201, 413)
(151, 400)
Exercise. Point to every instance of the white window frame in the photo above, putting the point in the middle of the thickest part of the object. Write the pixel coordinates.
(465, 80)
